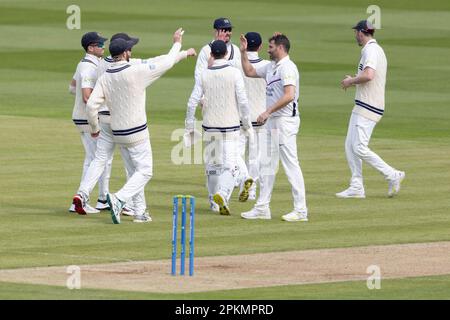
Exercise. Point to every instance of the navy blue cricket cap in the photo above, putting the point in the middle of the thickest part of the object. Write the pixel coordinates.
(126, 37)
(222, 23)
(119, 46)
(364, 26)
(253, 40)
(90, 38)
(218, 47)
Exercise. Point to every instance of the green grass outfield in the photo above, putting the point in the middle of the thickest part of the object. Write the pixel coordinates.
(41, 154)
(423, 288)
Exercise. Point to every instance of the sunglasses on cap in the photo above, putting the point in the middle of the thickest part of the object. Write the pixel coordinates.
(101, 45)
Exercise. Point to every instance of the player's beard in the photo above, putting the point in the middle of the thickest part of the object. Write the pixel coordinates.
(271, 56)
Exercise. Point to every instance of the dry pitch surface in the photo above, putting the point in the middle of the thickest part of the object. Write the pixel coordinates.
(255, 270)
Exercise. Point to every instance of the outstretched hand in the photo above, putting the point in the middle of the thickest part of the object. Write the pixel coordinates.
(191, 52)
(243, 45)
(178, 35)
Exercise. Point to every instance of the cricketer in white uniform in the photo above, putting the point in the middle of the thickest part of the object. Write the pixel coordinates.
(123, 89)
(87, 183)
(282, 125)
(82, 85)
(137, 204)
(225, 105)
(256, 93)
(370, 83)
(222, 31)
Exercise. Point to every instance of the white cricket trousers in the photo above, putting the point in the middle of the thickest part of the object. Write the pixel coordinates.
(280, 142)
(357, 149)
(90, 146)
(104, 152)
(220, 155)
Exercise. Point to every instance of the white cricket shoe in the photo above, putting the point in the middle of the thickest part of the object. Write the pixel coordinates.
(72, 208)
(295, 216)
(142, 218)
(127, 211)
(222, 203)
(394, 185)
(79, 204)
(115, 206)
(351, 193)
(90, 210)
(257, 213)
(102, 205)
(82, 207)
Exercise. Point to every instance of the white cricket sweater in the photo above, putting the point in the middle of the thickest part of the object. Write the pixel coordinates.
(369, 96)
(225, 101)
(85, 77)
(256, 89)
(122, 89)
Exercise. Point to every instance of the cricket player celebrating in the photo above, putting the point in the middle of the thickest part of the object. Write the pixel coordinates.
(122, 89)
(256, 93)
(282, 124)
(82, 85)
(370, 84)
(225, 105)
(138, 203)
(222, 31)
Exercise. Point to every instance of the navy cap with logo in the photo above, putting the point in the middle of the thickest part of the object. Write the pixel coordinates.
(364, 26)
(253, 40)
(119, 46)
(126, 37)
(222, 23)
(218, 48)
(91, 38)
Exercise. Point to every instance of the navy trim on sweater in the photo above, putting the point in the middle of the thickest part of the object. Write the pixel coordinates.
(89, 61)
(232, 53)
(80, 121)
(254, 124)
(273, 82)
(220, 129)
(105, 113)
(127, 132)
(218, 67)
(118, 69)
(369, 107)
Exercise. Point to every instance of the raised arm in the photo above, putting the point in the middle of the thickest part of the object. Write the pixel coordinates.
(181, 55)
(247, 67)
